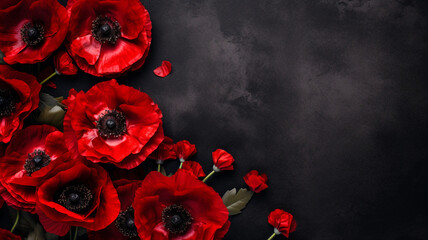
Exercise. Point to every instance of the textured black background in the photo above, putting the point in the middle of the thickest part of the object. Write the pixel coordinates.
(328, 97)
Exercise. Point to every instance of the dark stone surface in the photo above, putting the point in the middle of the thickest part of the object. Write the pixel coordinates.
(327, 97)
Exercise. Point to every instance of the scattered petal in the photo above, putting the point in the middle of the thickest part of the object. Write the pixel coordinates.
(164, 70)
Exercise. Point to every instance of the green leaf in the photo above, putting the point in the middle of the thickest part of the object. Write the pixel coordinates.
(236, 201)
(37, 234)
(51, 111)
(49, 101)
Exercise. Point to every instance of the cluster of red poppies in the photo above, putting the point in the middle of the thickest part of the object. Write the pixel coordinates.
(74, 178)
(105, 38)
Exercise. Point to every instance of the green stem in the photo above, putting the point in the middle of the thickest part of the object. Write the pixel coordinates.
(181, 165)
(271, 237)
(16, 221)
(208, 176)
(47, 79)
(159, 167)
(75, 233)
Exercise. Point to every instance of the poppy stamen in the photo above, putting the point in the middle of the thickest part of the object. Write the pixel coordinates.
(32, 34)
(111, 124)
(76, 198)
(106, 30)
(7, 103)
(36, 161)
(176, 219)
(125, 223)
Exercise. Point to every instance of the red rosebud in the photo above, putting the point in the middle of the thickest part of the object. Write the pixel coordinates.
(162, 201)
(112, 123)
(164, 70)
(31, 30)
(282, 221)
(256, 182)
(7, 235)
(19, 93)
(76, 194)
(222, 160)
(194, 168)
(28, 159)
(108, 38)
(165, 151)
(184, 150)
(64, 64)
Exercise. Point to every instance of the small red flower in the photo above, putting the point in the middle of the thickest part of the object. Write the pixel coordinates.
(64, 64)
(7, 235)
(31, 29)
(164, 70)
(108, 38)
(222, 160)
(19, 96)
(165, 151)
(178, 207)
(123, 228)
(184, 150)
(76, 194)
(282, 221)
(194, 168)
(112, 123)
(27, 160)
(256, 182)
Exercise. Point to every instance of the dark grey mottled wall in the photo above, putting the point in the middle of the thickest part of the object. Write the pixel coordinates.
(329, 98)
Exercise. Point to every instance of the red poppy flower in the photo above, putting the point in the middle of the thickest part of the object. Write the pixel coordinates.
(76, 194)
(222, 160)
(64, 64)
(256, 181)
(178, 207)
(184, 150)
(27, 160)
(7, 235)
(165, 151)
(164, 70)
(123, 228)
(108, 38)
(282, 221)
(19, 96)
(194, 168)
(31, 29)
(112, 123)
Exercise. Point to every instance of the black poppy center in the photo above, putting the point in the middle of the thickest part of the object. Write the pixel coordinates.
(111, 124)
(106, 30)
(176, 219)
(32, 34)
(36, 161)
(76, 198)
(7, 103)
(125, 223)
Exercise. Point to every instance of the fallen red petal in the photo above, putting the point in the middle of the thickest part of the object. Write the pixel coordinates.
(164, 70)
(51, 85)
